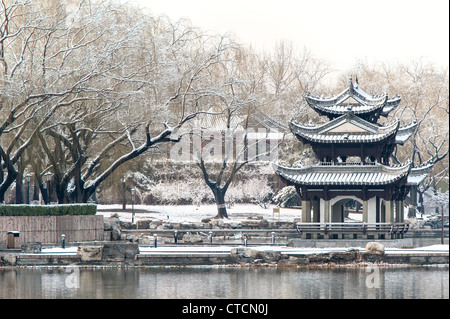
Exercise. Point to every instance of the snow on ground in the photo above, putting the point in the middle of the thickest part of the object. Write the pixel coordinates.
(192, 213)
(419, 250)
(226, 249)
(60, 251)
(435, 247)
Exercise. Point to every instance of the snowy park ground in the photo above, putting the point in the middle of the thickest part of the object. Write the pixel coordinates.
(192, 213)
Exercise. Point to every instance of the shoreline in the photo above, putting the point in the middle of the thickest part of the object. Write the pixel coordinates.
(225, 266)
(117, 255)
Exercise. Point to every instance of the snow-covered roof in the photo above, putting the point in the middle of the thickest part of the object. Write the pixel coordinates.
(353, 99)
(348, 174)
(418, 174)
(267, 122)
(349, 128)
(405, 132)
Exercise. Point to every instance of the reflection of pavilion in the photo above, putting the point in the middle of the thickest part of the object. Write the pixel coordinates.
(354, 153)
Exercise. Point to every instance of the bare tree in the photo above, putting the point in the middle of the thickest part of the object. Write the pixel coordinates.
(424, 90)
(222, 148)
(147, 101)
(231, 139)
(88, 88)
(28, 96)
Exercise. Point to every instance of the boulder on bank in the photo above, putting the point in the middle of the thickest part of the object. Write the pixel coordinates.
(120, 251)
(375, 248)
(32, 248)
(251, 255)
(116, 234)
(90, 253)
(111, 223)
(8, 260)
(192, 238)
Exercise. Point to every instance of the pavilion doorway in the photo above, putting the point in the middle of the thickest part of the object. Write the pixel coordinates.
(340, 209)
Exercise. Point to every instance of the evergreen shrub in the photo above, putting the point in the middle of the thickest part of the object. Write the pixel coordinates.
(48, 210)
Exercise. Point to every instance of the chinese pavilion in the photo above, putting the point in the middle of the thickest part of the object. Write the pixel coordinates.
(353, 152)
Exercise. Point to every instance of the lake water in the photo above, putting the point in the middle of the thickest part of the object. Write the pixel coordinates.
(218, 283)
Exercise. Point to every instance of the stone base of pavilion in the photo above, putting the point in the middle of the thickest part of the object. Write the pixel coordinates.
(350, 243)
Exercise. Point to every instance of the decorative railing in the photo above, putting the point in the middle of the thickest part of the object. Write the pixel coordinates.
(364, 228)
(346, 163)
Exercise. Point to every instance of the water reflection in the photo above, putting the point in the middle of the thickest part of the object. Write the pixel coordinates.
(177, 283)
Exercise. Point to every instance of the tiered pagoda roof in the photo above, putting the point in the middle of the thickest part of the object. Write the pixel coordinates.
(354, 99)
(349, 128)
(353, 131)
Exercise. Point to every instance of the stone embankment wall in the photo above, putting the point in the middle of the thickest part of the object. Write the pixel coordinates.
(374, 253)
(256, 227)
(127, 254)
(197, 232)
(253, 222)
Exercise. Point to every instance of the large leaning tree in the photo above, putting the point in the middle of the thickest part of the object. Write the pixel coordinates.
(88, 88)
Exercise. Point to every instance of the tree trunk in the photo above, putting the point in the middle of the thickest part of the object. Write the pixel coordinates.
(60, 194)
(7, 181)
(219, 196)
(19, 183)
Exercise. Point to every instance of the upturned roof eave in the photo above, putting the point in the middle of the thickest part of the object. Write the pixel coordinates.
(374, 132)
(340, 174)
(368, 102)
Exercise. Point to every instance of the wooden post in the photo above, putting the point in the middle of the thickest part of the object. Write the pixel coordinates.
(276, 210)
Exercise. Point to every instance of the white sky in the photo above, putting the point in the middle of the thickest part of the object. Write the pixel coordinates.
(338, 31)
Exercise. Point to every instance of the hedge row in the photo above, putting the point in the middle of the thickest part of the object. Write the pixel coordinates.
(48, 210)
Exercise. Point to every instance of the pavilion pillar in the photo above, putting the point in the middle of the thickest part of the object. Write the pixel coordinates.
(377, 210)
(316, 211)
(402, 205)
(399, 211)
(326, 211)
(365, 216)
(306, 211)
(389, 212)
